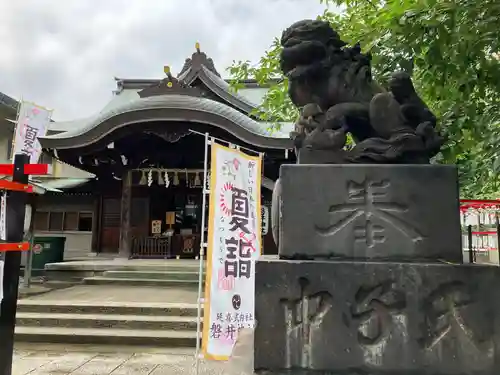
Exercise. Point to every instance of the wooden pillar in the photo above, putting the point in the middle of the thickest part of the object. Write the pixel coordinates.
(97, 224)
(126, 200)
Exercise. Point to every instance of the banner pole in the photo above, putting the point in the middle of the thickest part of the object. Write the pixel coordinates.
(203, 245)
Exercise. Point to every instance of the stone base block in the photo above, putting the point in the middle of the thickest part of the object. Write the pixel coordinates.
(368, 318)
(390, 212)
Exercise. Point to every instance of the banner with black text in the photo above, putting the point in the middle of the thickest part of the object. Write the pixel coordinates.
(234, 244)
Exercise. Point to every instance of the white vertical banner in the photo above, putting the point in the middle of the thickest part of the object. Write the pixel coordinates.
(32, 122)
(234, 244)
(3, 237)
(3, 216)
(2, 264)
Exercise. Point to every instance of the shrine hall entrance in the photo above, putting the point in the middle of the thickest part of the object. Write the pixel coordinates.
(165, 215)
(174, 214)
(152, 206)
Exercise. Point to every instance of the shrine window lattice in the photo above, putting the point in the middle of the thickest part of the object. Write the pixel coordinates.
(59, 221)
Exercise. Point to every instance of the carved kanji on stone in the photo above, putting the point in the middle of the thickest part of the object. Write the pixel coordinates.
(374, 309)
(368, 201)
(444, 309)
(303, 316)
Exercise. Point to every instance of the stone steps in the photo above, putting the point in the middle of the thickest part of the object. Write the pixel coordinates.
(168, 273)
(153, 275)
(170, 265)
(102, 336)
(107, 323)
(103, 280)
(114, 308)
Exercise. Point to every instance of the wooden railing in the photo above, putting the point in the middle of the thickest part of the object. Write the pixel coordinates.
(152, 247)
(184, 246)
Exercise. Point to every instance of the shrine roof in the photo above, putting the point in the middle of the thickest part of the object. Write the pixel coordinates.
(7, 101)
(200, 67)
(196, 85)
(128, 107)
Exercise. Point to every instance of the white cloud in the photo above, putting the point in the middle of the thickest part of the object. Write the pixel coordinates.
(64, 54)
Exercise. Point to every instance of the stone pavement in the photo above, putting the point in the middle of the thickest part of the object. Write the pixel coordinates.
(30, 359)
(84, 362)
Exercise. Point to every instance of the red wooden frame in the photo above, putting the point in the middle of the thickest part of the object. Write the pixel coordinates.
(32, 169)
(15, 186)
(466, 204)
(21, 246)
(29, 169)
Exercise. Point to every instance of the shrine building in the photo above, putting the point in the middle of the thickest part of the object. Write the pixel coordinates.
(146, 150)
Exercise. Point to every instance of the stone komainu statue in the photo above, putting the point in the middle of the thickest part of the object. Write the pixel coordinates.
(332, 85)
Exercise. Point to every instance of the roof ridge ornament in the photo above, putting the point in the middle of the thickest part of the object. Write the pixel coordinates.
(169, 85)
(197, 61)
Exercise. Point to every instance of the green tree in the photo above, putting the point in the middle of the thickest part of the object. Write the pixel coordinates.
(451, 48)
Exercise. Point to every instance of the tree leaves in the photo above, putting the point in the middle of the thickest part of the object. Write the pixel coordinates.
(449, 46)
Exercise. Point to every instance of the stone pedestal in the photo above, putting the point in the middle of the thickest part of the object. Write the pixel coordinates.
(370, 280)
(367, 318)
(393, 212)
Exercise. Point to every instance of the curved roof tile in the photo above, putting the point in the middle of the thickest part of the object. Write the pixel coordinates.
(169, 108)
(120, 100)
(8, 101)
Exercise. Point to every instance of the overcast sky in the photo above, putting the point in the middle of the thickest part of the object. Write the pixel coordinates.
(64, 54)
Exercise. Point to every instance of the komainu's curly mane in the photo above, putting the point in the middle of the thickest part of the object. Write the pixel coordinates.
(392, 126)
(315, 59)
(310, 47)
